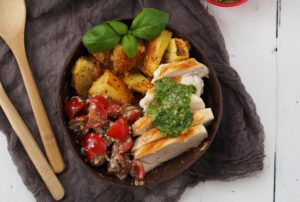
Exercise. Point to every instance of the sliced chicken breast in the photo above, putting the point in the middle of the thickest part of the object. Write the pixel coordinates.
(203, 116)
(145, 123)
(195, 80)
(147, 99)
(148, 136)
(196, 101)
(149, 166)
(174, 69)
(142, 125)
(159, 151)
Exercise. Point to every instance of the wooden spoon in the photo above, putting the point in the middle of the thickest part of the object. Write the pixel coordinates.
(31, 147)
(12, 24)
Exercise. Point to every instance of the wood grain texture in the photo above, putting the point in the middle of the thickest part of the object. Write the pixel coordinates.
(31, 147)
(12, 25)
(47, 135)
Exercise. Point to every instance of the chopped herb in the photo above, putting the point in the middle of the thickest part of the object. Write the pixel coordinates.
(104, 129)
(171, 111)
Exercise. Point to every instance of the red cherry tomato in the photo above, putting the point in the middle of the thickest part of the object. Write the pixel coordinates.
(119, 129)
(98, 100)
(114, 110)
(74, 106)
(123, 146)
(95, 147)
(133, 115)
(137, 170)
(97, 116)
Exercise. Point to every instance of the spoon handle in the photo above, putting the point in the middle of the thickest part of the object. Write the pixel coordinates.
(31, 147)
(52, 150)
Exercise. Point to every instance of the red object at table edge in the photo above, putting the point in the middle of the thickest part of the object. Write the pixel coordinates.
(238, 2)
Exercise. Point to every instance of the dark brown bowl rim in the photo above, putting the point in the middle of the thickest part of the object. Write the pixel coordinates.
(120, 183)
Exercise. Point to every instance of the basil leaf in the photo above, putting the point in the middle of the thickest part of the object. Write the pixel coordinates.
(101, 38)
(130, 44)
(119, 27)
(149, 23)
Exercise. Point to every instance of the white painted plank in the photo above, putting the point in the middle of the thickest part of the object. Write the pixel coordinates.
(288, 139)
(249, 32)
(12, 188)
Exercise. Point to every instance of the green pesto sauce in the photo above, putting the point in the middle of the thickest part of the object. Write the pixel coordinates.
(171, 111)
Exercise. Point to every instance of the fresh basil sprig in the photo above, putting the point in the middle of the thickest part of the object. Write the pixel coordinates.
(146, 25)
(130, 44)
(100, 38)
(149, 23)
(118, 26)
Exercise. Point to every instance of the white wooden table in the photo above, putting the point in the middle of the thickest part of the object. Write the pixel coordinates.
(262, 38)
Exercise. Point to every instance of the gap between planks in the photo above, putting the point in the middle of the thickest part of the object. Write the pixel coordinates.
(278, 20)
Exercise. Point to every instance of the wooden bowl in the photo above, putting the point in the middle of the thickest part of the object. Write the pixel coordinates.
(212, 97)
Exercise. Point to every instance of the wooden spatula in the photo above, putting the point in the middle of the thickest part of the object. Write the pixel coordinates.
(12, 25)
(31, 147)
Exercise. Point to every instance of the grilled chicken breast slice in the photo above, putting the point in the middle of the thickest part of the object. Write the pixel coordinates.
(147, 99)
(142, 125)
(196, 101)
(204, 116)
(174, 69)
(162, 150)
(195, 80)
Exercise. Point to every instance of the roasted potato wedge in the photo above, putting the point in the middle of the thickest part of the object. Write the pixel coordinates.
(103, 58)
(177, 50)
(155, 51)
(111, 87)
(84, 73)
(122, 63)
(137, 82)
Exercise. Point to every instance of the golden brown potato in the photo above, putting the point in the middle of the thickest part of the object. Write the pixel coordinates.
(111, 87)
(122, 63)
(84, 73)
(177, 50)
(103, 58)
(155, 51)
(137, 82)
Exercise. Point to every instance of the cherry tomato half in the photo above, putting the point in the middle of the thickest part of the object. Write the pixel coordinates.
(123, 146)
(95, 147)
(137, 170)
(114, 110)
(97, 116)
(119, 129)
(74, 106)
(131, 113)
(98, 100)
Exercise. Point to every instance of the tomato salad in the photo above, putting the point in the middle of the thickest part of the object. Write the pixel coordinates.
(103, 131)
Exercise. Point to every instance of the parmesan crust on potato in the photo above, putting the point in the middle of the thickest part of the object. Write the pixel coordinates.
(84, 73)
(111, 87)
